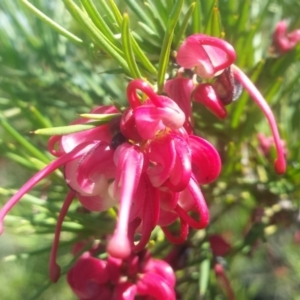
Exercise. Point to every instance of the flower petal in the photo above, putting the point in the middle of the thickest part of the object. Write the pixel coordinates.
(151, 284)
(206, 160)
(162, 155)
(208, 54)
(163, 269)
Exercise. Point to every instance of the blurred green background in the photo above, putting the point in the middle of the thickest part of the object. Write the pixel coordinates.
(46, 80)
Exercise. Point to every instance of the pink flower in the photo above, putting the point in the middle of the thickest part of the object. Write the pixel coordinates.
(89, 278)
(210, 56)
(138, 275)
(145, 161)
(283, 41)
(173, 163)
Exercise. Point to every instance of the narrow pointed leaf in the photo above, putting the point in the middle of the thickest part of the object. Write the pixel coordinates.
(66, 129)
(98, 20)
(167, 42)
(183, 27)
(98, 37)
(22, 141)
(127, 48)
(214, 27)
(52, 24)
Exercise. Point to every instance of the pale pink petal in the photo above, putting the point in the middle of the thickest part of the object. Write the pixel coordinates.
(95, 168)
(98, 202)
(172, 116)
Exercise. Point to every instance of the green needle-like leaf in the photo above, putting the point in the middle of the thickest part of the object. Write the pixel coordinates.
(116, 12)
(61, 130)
(22, 141)
(96, 35)
(52, 24)
(183, 27)
(98, 20)
(166, 46)
(197, 18)
(100, 117)
(141, 14)
(204, 270)
(214, 26)
(127, 48)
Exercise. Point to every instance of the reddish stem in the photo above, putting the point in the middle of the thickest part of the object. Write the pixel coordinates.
(54, 268)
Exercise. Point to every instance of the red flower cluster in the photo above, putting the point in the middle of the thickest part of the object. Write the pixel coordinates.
(116, 279)
(149, 161)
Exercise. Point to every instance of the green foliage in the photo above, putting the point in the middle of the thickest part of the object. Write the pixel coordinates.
(60, 58)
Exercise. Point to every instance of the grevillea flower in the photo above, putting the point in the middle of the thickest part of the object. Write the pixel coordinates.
(283, 41)
(145, 161)
(172, 165)
(210, 57)
(115, 279)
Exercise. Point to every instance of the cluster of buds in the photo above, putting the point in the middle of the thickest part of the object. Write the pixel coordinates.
(147, 159)
(140, 275)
